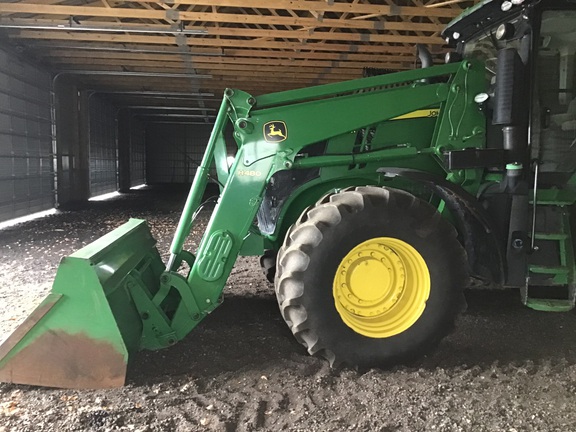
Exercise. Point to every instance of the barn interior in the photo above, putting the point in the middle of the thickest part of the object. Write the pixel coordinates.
(106, 108)
(103, 96)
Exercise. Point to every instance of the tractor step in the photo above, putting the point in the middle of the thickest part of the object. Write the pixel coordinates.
(549, 305)
(551, 236)
(551, 284)
(549, 275)
(549, 298)
(549, 270)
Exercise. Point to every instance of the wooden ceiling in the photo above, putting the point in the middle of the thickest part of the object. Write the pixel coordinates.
(146, 50)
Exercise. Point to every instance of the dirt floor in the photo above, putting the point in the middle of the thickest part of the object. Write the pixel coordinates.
(506, 368)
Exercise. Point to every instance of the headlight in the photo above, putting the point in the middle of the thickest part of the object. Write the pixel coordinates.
(505, 31)
(452, 57)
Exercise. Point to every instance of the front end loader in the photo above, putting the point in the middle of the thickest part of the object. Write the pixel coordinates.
(373, 204)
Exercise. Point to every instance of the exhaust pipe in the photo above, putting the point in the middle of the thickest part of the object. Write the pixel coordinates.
(424, 55)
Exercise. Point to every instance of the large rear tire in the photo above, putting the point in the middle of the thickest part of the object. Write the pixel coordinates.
(370, 277)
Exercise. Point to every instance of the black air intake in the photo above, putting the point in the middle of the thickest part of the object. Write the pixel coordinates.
(510, 101)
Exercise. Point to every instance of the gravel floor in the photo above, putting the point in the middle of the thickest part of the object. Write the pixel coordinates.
(506, 368)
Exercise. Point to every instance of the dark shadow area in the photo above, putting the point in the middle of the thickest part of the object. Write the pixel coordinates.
(247, 332)
(498, 328)
(243, 333)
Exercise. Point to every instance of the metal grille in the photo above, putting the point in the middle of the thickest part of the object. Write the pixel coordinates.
(26, 166)
(137, 153)
(103, 148)
(173, 152)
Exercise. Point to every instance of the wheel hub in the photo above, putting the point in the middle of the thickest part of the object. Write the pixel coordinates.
(381, 287)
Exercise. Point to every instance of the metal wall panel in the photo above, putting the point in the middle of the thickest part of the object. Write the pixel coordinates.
(26, 156)
(173, 152)
(137, 153)
(103, 147)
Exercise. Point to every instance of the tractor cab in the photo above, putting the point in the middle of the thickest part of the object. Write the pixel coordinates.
(528, 50)
(536, 92)
(554, 97)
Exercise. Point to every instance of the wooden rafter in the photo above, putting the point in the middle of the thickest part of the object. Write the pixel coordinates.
(250, 44)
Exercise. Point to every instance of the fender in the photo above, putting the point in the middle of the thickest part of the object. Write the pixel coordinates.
(479, 237)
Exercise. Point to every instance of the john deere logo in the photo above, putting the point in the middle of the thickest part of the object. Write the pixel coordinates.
(275, 131)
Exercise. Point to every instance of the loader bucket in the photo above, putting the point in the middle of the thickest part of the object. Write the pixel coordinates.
(81, 334)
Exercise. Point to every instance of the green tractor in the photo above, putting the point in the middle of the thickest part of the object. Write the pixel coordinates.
(373, 204)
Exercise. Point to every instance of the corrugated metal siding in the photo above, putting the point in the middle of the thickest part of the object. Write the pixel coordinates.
(173, 152)
(103, 148)
(137, 153)
(26, 164)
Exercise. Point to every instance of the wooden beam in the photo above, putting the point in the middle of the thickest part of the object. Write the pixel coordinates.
(293, 75)
(206, 68)
(180, 84)
(444, 3)
(204, 42)
(234, 34)
(325, 36)
(310, 22)
(218, 89)
(250, 86)
(116, 12)
(61, 55)
(271, 52)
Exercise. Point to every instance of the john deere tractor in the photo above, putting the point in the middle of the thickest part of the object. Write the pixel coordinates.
(372, 202)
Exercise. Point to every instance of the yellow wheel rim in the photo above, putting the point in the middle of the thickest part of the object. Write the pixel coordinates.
(381, 287)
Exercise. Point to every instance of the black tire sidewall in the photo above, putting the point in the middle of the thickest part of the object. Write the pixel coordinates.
(439, 249)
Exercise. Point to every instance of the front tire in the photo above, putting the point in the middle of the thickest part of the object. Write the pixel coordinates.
(370, 277)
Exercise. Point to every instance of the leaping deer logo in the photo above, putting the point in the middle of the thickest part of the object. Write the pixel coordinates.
(275, 131)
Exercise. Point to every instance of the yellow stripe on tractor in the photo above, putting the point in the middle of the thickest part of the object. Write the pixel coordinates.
(431, 112)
